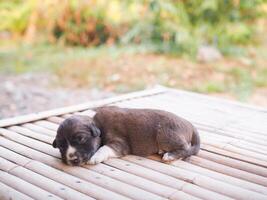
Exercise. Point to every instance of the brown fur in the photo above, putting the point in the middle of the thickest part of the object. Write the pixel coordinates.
(146, 131)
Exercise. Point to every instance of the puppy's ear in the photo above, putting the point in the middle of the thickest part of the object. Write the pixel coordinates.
(95, 130)
(54, 144)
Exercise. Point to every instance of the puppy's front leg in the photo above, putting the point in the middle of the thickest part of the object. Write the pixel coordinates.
(103, 153)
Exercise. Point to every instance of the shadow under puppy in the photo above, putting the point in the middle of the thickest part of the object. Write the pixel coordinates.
(115, 132)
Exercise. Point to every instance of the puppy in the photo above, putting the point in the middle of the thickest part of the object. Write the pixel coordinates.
(115, 132)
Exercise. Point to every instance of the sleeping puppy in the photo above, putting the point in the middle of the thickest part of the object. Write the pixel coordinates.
(115, 132)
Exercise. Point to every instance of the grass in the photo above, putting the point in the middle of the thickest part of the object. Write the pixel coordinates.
(124, 69)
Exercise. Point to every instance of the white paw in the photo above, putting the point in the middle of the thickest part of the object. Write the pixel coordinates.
(167, 157)
(96, 158)
(161, 152)
(102, 154)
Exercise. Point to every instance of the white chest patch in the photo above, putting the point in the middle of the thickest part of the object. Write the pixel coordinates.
(70, 153)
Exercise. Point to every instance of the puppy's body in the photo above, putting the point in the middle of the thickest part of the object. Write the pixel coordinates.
(145, 131)
(115, 132)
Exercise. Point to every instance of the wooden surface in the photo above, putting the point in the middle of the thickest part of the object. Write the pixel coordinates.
(232, 163)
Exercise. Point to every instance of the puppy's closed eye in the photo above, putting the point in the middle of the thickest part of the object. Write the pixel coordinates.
(81, 139)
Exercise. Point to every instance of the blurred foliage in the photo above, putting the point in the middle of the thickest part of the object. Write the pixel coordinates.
(178, 26)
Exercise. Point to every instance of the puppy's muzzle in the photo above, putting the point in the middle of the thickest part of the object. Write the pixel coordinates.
(77, 158)
(73, 159)
(72, 156)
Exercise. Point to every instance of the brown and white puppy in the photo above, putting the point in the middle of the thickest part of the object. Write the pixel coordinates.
(115, 132)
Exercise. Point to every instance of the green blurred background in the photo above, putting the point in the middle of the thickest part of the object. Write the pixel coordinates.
(213, 46)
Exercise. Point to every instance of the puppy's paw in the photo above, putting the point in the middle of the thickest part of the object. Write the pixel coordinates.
(160, 152)
(168, 157)
(96, 158)
(102, 154)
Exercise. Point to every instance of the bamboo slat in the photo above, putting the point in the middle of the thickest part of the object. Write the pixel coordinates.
(44, 183)
(241, 114)
(48, 184)
(6, 165)
(23, 150)
(252, 128)
(221, 176)
(43, 147)
(39, 129)
(140, 182)
(8, 193)
(237, 145)
(52, 173)
(229, 170)
(244, 152)
(203, 181)
(58, 120)
(167, 180)
(113, 185)
(98, 179)
(249, 145)
(13, 157)
(216, 101)
(55, 119)
(239, 133)
(146, 173)
(66, 115)
(73, 181)
(234, 163)
(218, 176)
(31, 134)
(25, 187)
(234, 155)
(46, 124)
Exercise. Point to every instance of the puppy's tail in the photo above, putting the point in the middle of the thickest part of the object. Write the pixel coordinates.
(195, 143)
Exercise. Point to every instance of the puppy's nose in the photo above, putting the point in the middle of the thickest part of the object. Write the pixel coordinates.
(71, 155)
(75, 161)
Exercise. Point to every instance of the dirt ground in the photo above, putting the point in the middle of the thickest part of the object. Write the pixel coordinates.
(27, 93)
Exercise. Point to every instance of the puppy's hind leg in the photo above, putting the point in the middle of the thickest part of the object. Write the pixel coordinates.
(186, 150)
(177, 153)
(173, 144)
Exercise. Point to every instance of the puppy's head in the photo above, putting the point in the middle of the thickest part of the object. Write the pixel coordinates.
(78, 138)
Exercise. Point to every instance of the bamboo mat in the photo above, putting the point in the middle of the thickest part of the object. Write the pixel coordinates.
(232, 162)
